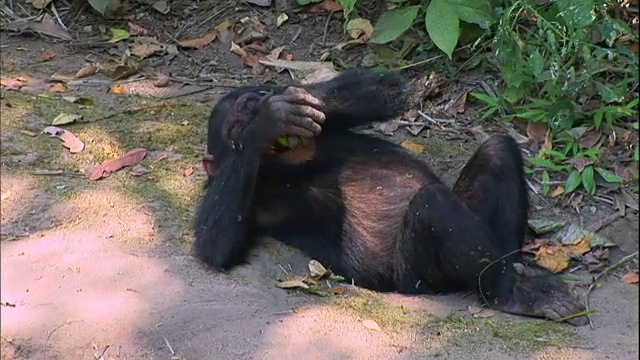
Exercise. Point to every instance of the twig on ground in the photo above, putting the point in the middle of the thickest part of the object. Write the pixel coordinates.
(103, 352)
(46, 344)
(326, 28)
(55, 173)
(168, 345)
(606, 271)
(434, 120)
(597, 226)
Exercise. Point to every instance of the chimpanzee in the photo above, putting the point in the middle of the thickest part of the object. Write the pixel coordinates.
(363, 206)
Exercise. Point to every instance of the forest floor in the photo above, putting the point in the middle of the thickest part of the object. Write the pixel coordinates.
(102, 269)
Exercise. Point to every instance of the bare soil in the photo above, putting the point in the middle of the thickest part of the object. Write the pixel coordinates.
(102, 270)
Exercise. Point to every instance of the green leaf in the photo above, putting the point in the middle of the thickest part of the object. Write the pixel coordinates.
(485, 98)
(118, 35)
(393, 23)
(545, 181)
(543, 163)
(100, 5)
(572, 182)
(609, 94)
(608, 176)
(347, 7)
(443, 25)
(578, 14)
(597, 118)
(65, 119)
(536, 63)
(589, 180)
(556, 154)
(307, 2)
(474, 12)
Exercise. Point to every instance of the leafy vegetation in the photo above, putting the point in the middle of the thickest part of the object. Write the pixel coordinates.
(567, 64)
(570, 66)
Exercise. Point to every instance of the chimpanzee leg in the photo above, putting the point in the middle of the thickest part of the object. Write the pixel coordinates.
(444, 246)
(492, 184)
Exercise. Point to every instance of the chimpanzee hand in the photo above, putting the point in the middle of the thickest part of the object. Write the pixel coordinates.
(293, 113)
(540, 293)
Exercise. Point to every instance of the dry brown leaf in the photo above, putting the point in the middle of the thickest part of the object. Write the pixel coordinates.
(580, 163)
(118, 89)
(69, 140)
(225, 25)
(40, 4)
(371, 325)
(431, 86)
(86, 70)
(48, 26)
(413, 147)
(236, 49)
(288, 57)
(292, 284)
(316, 269)
(589, 139)
(46, 56)
(359, 29)
(532, 247)
(456, 106)
(14, 83)
(338, 290)
(58, 87)
(28, 133)
(108, 166)
(199, 42)
(630, 277)
(135, 29)
(275, 53)
(557, 192)
(537, 131)
(325, 6)
(258, 46)
(188, 171)
(481, 313)
(556, 257)
(548, 142)
(146, 50)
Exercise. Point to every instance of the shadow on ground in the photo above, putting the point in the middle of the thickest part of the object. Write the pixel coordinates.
(94, 270)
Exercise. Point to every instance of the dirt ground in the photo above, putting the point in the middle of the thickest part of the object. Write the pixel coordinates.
(102, 270)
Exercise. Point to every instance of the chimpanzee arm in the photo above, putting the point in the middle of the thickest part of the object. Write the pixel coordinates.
(358, 97)
(242, 131)
(224, 211)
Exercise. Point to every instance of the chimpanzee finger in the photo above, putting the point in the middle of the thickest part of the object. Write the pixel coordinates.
(307, 112)
(305, 123)
(303, 98)
(292, 130)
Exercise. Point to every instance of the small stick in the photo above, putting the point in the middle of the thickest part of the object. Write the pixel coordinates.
(606, 271)
(435, 121)
(597, 226)
(326, 29)
(168, 345)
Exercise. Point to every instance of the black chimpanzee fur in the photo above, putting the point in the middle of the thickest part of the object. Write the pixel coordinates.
(363, 206)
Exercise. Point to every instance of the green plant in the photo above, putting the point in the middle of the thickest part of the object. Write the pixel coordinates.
(581, 167)
(102, 5)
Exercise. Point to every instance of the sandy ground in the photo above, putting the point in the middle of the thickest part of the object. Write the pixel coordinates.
(106, 273)
(79, 293)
